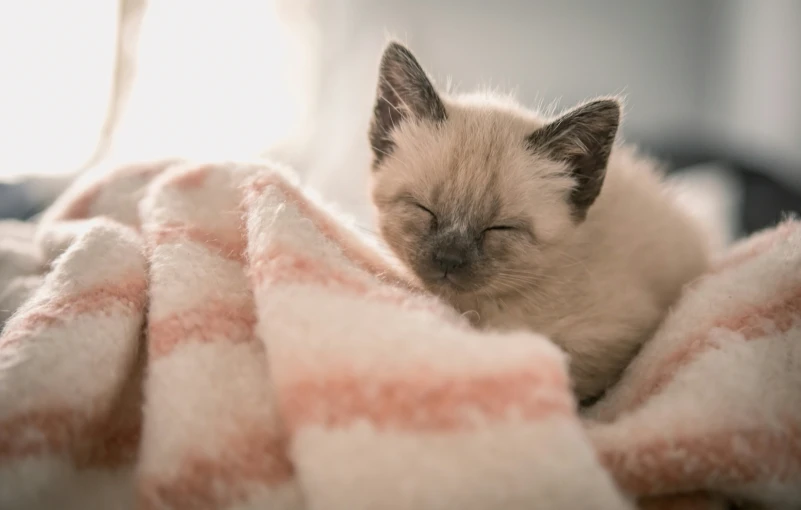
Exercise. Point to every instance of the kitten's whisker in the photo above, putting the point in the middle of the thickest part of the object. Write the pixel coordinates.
(521, 286)
(366, 229)
(507, 284)
(527, 274)
(523, 277)
(385, 153)
(389, 156)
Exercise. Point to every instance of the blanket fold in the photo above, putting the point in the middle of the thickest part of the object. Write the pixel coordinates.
(212, 336)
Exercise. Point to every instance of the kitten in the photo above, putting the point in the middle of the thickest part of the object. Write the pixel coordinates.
(525, 222)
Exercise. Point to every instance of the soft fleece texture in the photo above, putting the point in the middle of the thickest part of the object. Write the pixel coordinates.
(211, 337)
(20, 266)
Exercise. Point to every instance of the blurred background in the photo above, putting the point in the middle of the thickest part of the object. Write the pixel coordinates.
(712, 87)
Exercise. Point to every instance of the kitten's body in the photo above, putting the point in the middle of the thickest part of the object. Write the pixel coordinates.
(620, 271)
(539, 243)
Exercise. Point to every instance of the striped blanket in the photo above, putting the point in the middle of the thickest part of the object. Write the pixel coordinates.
(213, 337)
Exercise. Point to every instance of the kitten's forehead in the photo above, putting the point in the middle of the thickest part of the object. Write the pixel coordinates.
(465, 197)
(475, 164)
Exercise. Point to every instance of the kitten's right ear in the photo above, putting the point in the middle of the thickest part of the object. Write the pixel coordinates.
(404, 92)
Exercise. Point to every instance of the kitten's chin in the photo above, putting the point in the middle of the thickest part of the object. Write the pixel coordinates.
(448, 287)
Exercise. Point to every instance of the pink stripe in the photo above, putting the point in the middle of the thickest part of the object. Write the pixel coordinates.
(88, 442)
(226, 245)
(213, 321)
(130, 292)
(422, 400)
(281, 266)
(753, 322)
(348, 243)
(685, 463)
(253, 459)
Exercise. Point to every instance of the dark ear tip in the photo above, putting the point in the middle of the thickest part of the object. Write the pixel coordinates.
(394, 51)
(608, 106)
(393, 45)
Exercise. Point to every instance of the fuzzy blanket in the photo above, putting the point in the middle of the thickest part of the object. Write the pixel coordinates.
(212, 337)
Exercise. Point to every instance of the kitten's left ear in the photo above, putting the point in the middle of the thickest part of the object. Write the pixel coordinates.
(404, 92)
(582, 138)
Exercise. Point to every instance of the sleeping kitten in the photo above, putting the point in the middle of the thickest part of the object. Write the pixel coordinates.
(524, 222)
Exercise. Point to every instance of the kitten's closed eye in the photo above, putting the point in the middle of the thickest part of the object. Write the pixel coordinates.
(519, 230)
(426, 209)
(502, 229)
(496, 228)
(434, 219)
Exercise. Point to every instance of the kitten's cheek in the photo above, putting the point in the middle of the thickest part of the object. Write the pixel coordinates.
(512, 250)
(495, 251)
(399, 241)
(409, 228)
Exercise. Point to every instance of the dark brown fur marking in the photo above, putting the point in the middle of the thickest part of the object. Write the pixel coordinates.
(404, 92)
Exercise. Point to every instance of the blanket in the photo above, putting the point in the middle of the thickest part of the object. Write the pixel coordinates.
(20, 266)
(213, 336)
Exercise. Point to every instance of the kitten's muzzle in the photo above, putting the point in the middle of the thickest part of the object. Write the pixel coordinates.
(449, 260)
(452, 255)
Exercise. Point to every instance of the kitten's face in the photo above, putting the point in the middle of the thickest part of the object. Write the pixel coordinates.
(468, 211)
(476, 198)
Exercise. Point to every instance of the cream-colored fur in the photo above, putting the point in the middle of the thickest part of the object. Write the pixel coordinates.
(598, 287)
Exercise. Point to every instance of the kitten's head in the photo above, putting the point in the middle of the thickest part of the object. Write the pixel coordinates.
(476, 195)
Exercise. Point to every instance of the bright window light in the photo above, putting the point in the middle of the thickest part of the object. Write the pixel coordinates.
(56, 62)
(211, 81)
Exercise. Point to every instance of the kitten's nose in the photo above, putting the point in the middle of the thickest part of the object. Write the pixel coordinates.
(449, 260)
